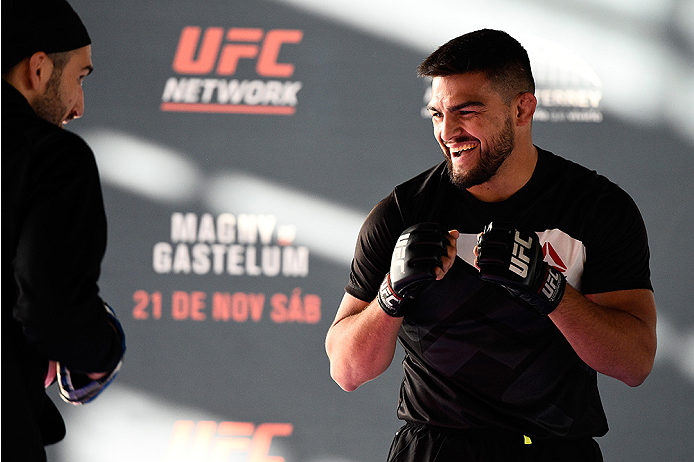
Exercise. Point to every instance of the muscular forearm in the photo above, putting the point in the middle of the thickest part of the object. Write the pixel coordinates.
(609, 339)
(361, 342)
(361, 346)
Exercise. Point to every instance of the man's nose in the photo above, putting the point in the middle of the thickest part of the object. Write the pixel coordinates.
(450, 129)
(78, 109)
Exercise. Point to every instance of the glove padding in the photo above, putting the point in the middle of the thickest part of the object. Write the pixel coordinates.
(513, 258)
(76, 387)
(417, 253)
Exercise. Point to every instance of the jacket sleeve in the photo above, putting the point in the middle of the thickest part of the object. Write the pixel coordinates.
(60, 247)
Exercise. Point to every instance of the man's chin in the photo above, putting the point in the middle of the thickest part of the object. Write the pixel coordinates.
(468, 179)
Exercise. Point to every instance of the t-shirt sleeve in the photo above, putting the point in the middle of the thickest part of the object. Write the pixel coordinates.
(374, 248)
(617, 255)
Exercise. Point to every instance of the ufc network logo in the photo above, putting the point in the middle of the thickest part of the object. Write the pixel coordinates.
(398, 260)
(242, 43)
(204, 59)
(209, 441)
(519, 259)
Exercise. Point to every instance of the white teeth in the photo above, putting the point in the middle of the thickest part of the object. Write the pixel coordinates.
(459, 150)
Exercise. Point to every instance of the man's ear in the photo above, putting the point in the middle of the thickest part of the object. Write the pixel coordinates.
(525, 108)
(40, 70)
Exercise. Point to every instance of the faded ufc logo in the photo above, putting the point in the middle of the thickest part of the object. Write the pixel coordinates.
(241, 43)
(399, 252)
(519, 259)
(208, 440)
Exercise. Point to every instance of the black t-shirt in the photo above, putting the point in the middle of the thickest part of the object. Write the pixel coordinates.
(476, 357)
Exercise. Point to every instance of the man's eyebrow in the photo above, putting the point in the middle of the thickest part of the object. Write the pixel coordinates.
(465, 105)
(458, 107)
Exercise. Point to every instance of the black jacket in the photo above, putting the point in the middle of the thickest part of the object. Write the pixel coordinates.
(53, 241)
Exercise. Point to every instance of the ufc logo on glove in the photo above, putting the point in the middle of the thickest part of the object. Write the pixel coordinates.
(398, 259)
(416, 255)
(505, 258)
(519, 257)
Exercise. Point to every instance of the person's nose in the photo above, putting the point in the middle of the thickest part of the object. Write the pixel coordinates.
(450, 129)
(78, 108)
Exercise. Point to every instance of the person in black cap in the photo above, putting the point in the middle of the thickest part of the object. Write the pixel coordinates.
(54, 323)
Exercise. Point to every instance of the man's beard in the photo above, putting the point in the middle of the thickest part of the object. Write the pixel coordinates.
(490, 160)
(49, 106)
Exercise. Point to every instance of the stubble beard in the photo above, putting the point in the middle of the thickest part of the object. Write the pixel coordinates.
(49, 106)
(490, 160)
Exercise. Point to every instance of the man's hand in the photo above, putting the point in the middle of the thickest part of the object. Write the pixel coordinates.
(81, 388)
(417, 254)
(513, 258)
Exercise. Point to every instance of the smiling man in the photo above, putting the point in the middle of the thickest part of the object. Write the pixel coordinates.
(510, 276)
(54, 323)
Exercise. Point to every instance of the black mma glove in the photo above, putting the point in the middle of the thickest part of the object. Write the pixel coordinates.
(417, 253)
(513, 258)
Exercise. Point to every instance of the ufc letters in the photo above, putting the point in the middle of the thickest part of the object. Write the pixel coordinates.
(398, 259)
(242, 43)
(519, 260)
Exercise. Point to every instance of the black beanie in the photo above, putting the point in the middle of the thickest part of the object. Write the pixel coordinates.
(29, 26)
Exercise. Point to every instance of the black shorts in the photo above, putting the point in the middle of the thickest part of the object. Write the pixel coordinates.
(423, 443)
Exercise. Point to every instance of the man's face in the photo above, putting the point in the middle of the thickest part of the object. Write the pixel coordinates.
(473, 126)
(63, 99)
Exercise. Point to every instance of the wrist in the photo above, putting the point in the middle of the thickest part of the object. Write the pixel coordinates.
(389, 301)
(551, 291)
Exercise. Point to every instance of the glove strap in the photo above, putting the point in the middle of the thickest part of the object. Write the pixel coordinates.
(389, 300)
(549, 294)
(77, 388)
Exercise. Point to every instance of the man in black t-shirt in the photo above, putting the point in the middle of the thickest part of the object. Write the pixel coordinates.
(541, 282)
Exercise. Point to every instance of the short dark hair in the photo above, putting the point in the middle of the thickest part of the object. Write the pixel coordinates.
(495, 53)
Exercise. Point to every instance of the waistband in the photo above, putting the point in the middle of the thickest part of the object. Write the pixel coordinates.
(493, 434)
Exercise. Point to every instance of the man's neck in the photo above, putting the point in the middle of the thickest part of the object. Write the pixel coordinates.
(515, 172)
